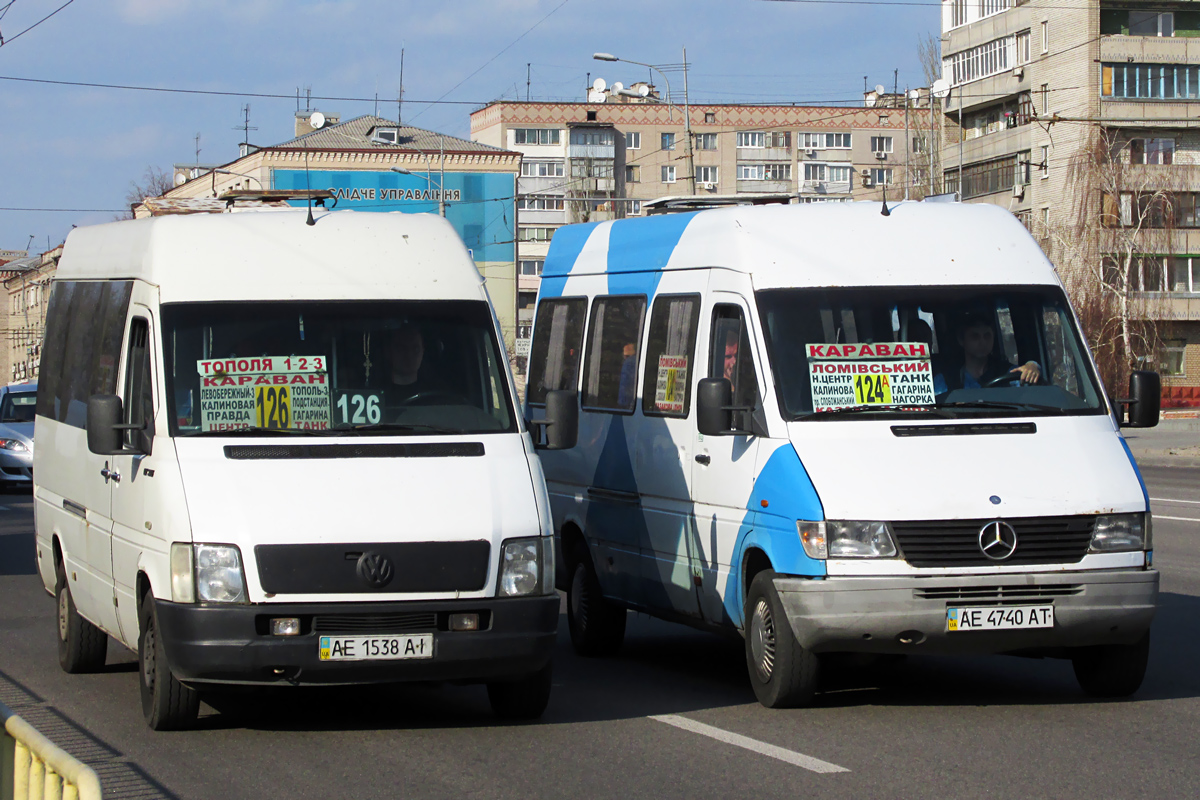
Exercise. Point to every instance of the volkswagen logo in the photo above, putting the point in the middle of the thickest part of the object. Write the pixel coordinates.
(374, 569)
(997, 540)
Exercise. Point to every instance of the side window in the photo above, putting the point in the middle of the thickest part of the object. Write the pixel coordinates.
(670, 350)
(139, 389)
(54, 349)
(614, 336)
(731, 355)
(556, 347)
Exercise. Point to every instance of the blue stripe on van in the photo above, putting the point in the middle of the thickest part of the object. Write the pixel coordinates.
(565, 247)
(1136, 471)
(785, 485)
(642, 246)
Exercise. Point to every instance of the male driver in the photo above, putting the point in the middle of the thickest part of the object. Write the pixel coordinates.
(980, 365)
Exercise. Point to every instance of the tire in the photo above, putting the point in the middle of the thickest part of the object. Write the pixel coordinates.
(522, 699)
(783, 674)
(167, 704)
(82, 647)
(597, 626)
(1112, 670)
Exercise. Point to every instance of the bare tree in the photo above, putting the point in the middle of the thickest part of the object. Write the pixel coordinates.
(155, 182)
(929, 53)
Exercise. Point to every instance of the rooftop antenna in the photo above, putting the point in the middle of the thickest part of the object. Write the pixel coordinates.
(866, 88)
(895, 81)
(400, 96)
(245, 127)
(297, 99)
(307, 97)
(197, 137)
(527, 66)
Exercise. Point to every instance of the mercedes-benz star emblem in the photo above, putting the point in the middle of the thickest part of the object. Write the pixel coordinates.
(997, 540)
(374, 569)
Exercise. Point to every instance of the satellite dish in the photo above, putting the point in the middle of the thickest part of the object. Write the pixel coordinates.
(879, 88)
(180, 179)
(596, 97)
(914, 95)
(317, 119)
(644, 90)
(617, 86)
(940, 88)
(599, 85)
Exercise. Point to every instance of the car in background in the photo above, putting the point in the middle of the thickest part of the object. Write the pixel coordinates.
(18, 403)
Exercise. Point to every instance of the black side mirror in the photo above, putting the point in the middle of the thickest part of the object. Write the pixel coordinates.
(104, 414)
(714, 397)
(1144, 401)
(562, 420)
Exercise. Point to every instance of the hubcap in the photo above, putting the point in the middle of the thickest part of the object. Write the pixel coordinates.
(762, 640)
(63, 621)
(148, 658)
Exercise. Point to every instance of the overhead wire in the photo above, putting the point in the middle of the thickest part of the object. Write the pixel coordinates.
(11, 39)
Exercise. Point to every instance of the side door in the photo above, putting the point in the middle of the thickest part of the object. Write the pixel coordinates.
(133, 484)
(723, 467)
(663, 449)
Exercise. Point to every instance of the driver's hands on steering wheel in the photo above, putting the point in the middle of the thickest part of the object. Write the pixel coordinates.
(1029, 371)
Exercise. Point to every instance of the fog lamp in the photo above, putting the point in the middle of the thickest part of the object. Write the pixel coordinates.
(464, 622)
(285, 626)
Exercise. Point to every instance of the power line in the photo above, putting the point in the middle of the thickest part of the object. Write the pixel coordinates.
(12, 39)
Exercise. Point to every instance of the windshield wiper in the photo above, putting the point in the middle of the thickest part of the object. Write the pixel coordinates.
(1013, 405)
(404, 427)
(866, 409)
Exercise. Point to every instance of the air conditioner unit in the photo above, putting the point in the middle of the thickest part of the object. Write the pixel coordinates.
(811, 152)
(707, 185)
(1018, 72)
(868, 182)
(880, 155)
(1019, 190)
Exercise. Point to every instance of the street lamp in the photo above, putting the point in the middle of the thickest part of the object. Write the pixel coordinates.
(687, 111)
(441, 182)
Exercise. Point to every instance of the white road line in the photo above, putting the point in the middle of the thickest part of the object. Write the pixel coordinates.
(5, 508)
(1169, 500)
(737, 740)
(1177, 519)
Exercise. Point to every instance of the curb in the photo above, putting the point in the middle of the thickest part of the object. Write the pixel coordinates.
(1150, 460)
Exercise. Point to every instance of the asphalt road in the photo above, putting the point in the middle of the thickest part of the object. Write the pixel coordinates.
(672, 716)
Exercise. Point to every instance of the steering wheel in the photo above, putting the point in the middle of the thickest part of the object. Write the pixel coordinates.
(1006, 378)
(429, 397)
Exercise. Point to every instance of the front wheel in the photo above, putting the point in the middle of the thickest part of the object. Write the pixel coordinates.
(597, 626)
(1112, 670)
(525, 698)
(82, 647)
(783, 674)
(167, 704)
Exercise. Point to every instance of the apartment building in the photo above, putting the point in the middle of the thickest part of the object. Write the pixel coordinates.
(1075, 119)
(600, 160)
(27, 284)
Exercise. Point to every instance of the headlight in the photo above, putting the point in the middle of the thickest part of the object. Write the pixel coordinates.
(14, 445)
(219, 574)
(523, 567)
(1117, 533)
(846, 539)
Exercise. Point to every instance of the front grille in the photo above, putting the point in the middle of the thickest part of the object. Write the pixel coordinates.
(987, 595)
(408, 622)
(333, 568)
(955, 543)
(323, 451)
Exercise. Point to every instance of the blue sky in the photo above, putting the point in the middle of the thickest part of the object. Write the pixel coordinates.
(79, 148)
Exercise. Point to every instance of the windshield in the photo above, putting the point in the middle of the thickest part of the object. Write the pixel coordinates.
(949, 351)
(378, 368)
(18, 407)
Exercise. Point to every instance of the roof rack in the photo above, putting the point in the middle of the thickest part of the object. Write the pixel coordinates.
(678, 203)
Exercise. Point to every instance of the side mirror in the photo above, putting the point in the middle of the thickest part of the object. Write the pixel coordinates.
(562, 419)
(714, 397)
(104, 414)
(1145, 398)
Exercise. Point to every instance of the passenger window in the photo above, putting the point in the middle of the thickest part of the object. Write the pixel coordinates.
(731, 356)
(670, 349)
(555, 351)
(614, 336)
(139, 389)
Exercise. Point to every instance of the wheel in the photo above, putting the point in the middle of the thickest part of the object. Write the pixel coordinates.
(167, 704)
(525, 698)
(597, 626)
(1112, 670)
(82, 647)
(783, 673)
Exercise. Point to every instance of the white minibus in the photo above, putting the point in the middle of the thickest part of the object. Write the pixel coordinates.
(835, 430)
(278, 453)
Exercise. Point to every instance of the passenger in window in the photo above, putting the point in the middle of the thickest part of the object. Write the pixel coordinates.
(979, 364)
(731, 358)
(628, 383)
(407, 383)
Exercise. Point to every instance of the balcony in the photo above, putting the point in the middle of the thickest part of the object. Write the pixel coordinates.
(764, 154)
(825, 187)
(764, 187)
(592, 151)
(547, 185)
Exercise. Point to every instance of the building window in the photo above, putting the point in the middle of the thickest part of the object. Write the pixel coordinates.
(1172, 361)
(633, 174)
(706, 141)
(881, 176)
(1023, 47)
(385, 135)
(591, 136)
(1045, 36)
(633, 140)
(778, 172)
(920, 144)
(710, 116)
(706, 174)
(667, 141)
(839, 174)
(530, 266)
(540, 202)
(881, 144)
(541, 169)
(837, 141)
(1149, 23)
(1044, 166)
(750, 172)
(778, 139)
(591, 168)
(1045, 99)
(1150, 81)
(635, 207)
(815, 173)
(1151, 151)
(958, 13)
(534, 234)
(668, 174)
(537, 136)
(750, 139)
(1183, 275)
(987, 177)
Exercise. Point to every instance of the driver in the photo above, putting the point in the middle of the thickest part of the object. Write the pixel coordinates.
(980, 365)
(406, 355)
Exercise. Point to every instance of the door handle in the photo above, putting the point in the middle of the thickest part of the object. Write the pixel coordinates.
(704, 459)
(110, 474)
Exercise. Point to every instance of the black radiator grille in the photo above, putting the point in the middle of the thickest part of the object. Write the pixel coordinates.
(955, 543)
(410, 622)
(333, 568)
(984, 595)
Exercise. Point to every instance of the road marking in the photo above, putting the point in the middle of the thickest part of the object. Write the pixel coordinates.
(1169, 500)
(5, 508)
(1177, 519)
(737, 740)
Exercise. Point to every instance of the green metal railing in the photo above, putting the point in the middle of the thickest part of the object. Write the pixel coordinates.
(34, 768)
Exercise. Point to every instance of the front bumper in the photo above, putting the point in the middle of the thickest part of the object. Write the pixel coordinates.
(16, 467)
(908, 615)
(231, 644)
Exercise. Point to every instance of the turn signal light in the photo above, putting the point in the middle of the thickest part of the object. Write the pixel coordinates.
(285, 626)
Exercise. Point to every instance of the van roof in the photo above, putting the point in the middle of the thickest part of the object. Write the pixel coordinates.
(274, 255)
(819, 244)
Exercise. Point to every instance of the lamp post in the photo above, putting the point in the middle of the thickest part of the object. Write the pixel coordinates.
(687, 116)
(441, 183)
